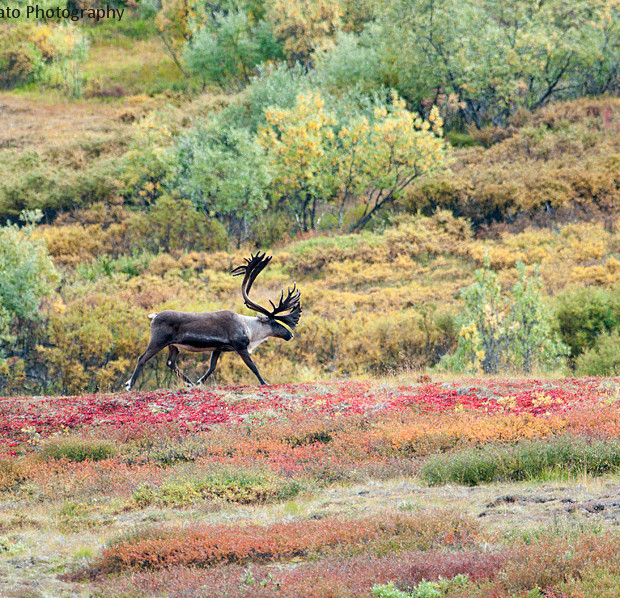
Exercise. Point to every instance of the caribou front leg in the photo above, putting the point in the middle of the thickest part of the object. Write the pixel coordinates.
(248, 361)
(171, 362)
(151, 350)
(214, 357)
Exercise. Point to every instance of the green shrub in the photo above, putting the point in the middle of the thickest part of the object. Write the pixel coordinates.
(583, 314)
(457, 139)
(173, 224)
(228, 48)
(603, 359)
(223, 171)
(425, 589)
(389, 590)
(77, 449)
(500, 331)
(27, 277)
(236, 487)
(32, 180)
(275, 85)
(523, 461)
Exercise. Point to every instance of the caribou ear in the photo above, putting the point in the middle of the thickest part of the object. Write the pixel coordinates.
(291, 320)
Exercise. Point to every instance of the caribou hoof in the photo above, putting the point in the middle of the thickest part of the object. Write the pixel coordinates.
(189, 385)
(128, 385)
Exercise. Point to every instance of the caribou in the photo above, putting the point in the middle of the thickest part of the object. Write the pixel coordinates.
(221, 331)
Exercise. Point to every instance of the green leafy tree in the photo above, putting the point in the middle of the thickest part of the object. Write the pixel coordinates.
(27, 277)
(224, 172)
(228, 48)
(318, 158)
(396, 148)
(488, 58)
(499, 330)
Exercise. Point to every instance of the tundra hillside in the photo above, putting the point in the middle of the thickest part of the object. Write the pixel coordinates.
(393, 191)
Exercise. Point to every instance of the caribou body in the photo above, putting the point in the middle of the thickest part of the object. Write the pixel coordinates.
(225, 330)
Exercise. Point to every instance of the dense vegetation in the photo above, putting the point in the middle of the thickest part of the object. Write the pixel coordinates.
(441, 181)
(298, 490)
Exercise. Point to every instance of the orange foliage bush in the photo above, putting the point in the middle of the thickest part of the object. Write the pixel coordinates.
(11, 474)
(430, 433)
(87, 479)
(326, 578)
(550, 560)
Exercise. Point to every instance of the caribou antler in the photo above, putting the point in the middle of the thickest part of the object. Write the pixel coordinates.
(292, 303)
(254, 265)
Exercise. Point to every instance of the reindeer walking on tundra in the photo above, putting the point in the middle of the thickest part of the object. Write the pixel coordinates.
(221, 331)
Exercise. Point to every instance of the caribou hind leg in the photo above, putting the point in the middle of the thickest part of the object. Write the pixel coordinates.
(171, 362)
(243, 353)
(214, 357)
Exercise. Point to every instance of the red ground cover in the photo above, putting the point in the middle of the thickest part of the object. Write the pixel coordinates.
(198, 409)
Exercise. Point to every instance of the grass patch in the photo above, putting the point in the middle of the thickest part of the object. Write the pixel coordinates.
(77, 449)
(527, 460)
(235, 487)
(137, 65)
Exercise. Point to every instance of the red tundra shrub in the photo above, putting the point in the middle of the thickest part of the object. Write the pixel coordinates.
(329, 577)
(207, 545)
(549, 560)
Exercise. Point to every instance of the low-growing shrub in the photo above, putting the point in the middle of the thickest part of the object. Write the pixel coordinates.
(424, 589)
(526, 460)
(205, 546)
(583, 314)
(553, 169)
(550, 559)
(76, 448)
(328, 577)
(236, 487)
(164, 449)
(11, 474)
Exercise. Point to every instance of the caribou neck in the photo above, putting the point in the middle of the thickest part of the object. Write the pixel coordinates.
(257, 329)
